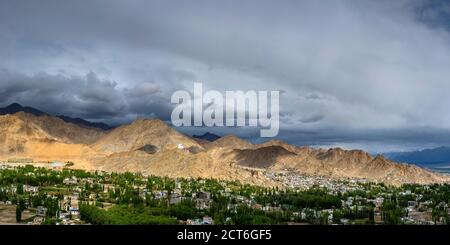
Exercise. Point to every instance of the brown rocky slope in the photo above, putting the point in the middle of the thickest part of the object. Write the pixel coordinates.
(44, 138)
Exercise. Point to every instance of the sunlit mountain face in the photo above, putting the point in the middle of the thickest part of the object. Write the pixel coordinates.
(371, 75)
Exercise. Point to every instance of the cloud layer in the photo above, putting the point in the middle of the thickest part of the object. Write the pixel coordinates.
(366, 74)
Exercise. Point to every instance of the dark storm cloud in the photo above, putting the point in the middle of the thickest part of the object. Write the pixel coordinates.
(82, 96)
(87, 95)
(434, 13)
(342, 66)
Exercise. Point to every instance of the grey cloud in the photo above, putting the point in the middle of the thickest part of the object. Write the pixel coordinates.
(365, 66)
(59, 93)
(143, 89)
(86, 96)
(313, 96)
(313, 118)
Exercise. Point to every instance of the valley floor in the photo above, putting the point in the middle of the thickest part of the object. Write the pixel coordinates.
(69, 196)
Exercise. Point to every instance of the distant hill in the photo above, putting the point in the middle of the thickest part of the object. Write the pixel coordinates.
(262, 157)
(81, 122)
(428, 156)
(232, 142)
(15, 108)
(207, 136)
(143, 134)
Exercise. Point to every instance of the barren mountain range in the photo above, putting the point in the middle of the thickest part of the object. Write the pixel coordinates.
(150, 146)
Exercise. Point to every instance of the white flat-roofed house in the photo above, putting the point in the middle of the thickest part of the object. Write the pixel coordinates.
(74, 211)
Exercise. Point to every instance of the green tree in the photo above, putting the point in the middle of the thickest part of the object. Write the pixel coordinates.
(337, 216)
(371, 215)
(19, 190)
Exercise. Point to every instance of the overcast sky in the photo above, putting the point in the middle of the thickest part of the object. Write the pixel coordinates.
(357, 74)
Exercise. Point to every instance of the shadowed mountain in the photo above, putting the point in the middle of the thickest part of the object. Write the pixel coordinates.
(83, 123)
(207, 136)
(262, 157)
(427, 156)
(149, 149)
(15, 107)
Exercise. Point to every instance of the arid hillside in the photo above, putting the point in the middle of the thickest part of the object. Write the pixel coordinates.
(45, 138)
(143, 133)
